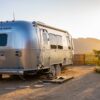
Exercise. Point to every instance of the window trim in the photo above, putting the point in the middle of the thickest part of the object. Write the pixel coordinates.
(4, 44)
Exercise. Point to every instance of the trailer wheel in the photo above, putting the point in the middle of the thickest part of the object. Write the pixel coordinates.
(58, 70)
(1, 76)
(52, 72)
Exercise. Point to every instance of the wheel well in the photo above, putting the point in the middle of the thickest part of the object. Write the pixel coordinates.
(58, 64)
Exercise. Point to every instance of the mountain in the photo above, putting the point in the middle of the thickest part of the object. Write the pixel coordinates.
(85, 45)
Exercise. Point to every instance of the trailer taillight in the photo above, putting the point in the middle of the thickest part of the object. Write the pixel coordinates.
(18, 53)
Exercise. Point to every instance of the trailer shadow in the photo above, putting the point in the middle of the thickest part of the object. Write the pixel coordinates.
(10, 84)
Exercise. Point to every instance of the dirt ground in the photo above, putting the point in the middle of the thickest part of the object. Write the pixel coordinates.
(84, 86)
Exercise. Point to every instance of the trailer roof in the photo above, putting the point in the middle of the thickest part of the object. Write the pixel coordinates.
(48, 26)
(41, 24)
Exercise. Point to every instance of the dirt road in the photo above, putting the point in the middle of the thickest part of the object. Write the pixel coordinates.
(85, 86)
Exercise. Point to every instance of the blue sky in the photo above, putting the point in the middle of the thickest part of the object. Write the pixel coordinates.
(80, 17)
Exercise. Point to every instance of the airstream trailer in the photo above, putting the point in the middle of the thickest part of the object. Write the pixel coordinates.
(27, 47)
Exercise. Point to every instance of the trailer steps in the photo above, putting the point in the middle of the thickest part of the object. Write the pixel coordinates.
(60, 79)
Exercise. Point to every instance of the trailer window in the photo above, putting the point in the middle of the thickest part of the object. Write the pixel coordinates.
(68, 42)
(45, 38)
(59, 42)
(3, 39)
(53, 41)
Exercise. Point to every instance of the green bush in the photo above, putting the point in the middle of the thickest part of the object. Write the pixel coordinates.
(97, 54)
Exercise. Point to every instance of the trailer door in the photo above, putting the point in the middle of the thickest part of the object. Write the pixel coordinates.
(45, 48)
(69, 50)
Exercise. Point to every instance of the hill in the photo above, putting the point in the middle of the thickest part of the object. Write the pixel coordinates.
(85, 45)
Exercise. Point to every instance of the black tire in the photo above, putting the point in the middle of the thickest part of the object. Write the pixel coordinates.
(1, 77)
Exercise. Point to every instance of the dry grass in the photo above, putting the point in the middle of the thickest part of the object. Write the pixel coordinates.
(77, 71)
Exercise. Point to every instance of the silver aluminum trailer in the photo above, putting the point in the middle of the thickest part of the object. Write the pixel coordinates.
(31, 46)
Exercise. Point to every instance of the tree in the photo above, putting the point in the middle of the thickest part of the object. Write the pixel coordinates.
(97, 54)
